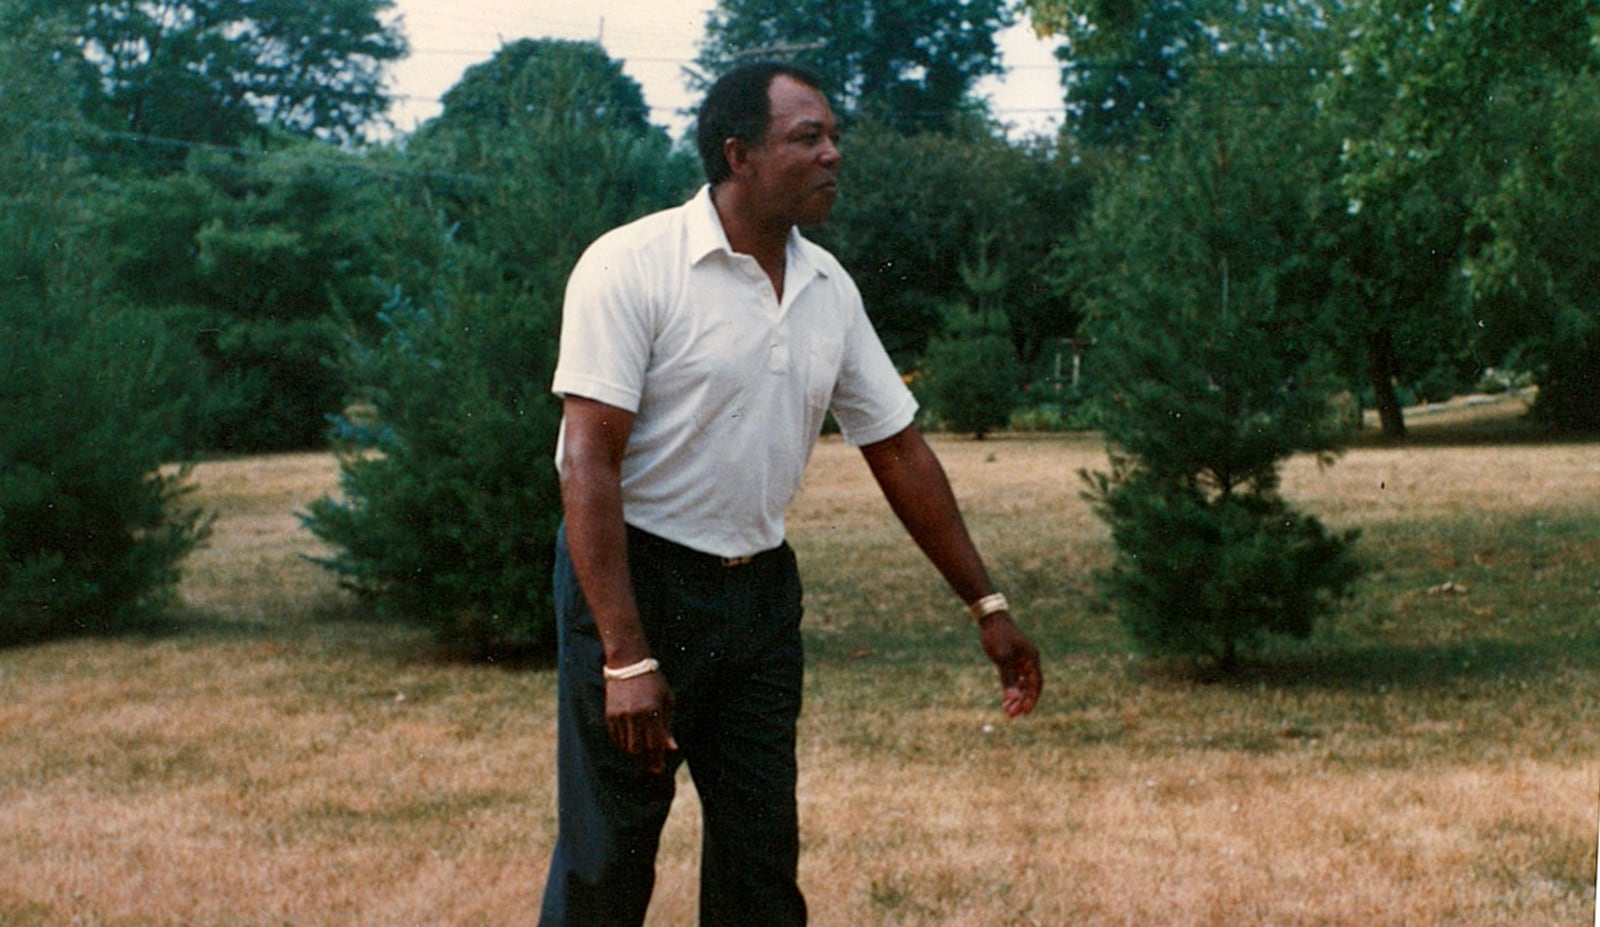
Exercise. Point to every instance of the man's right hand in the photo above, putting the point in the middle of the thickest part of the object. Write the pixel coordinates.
(639, 718)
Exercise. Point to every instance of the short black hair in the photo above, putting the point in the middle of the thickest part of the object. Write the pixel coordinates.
(737, 106)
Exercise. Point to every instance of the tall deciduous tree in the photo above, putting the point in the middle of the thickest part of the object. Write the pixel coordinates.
(909, 63)
(1422, 75)
(1535, 276)
(530, 78)
(215, 71)
(1125, 64)
(522, 132)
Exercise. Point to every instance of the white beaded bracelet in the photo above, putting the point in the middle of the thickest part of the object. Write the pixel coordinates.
(643, 668)
(988, 605)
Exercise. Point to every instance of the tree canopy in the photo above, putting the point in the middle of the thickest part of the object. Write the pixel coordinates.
(909, 63)
(1434, 149)
(216, 71)
(522, 133)
(532, 77)
(1125, 65)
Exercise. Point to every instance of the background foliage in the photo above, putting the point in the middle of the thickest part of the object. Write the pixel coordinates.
(1266, 203)
(970, 378)
(449, 501)
(1217, 374)
(221, 71)
(94, 397)
(910, 64)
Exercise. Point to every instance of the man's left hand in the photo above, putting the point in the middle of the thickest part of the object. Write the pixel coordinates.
(1018, 661)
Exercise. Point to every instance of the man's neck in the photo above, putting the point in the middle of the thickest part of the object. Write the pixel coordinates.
(766, 241)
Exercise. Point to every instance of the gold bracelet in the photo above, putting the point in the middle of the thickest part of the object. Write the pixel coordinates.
(988, 605)
(643, 668)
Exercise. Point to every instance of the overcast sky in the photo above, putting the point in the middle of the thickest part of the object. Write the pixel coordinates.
(656, 40)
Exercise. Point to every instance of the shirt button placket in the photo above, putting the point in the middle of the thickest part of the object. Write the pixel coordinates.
(778, 357)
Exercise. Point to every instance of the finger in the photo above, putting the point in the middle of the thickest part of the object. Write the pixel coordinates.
(619, 734)
(1013, 675)
(1017, 703)
(1022, 684)
(1032, 684)
(654, 759)
(632, 736)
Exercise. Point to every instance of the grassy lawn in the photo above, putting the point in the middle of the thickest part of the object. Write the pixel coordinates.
(1431, 757)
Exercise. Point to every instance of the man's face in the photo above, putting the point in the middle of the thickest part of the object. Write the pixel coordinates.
(797, 166)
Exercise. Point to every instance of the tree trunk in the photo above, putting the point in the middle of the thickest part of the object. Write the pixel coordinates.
(1380, 369)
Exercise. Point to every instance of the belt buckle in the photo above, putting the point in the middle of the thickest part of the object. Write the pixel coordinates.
(735, 561)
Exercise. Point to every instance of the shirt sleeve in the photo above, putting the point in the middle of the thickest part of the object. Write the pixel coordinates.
(605, 329)
(871, 401)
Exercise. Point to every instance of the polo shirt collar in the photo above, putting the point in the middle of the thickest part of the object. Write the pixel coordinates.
(707, 237)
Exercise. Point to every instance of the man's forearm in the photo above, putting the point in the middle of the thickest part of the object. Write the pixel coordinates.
(597, 541)
(918, 491)
(595, 437)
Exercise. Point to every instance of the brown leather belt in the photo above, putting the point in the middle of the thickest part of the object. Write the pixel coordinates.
(648, 540)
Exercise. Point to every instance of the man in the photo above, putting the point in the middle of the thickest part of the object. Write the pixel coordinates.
(701, 348)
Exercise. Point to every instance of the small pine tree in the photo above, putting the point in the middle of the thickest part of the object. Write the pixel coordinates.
(1210, 558)
(970, 375)
(93, 403)
(1208, 575)
(1214, 345)
(449, 497)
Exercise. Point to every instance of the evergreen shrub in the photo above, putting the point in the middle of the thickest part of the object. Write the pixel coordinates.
(96, 400)
(1208, 576)
(1210, 558)
(449, 496)
(1217, 360)
(970, 378)
(449, 500)
(94, 405)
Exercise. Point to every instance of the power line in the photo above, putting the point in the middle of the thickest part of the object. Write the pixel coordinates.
(1132, 64)
(1005, 110)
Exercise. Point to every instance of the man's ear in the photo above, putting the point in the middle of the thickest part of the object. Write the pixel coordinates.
(737, 154)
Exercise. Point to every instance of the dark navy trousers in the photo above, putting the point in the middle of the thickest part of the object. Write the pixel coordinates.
(728, 638)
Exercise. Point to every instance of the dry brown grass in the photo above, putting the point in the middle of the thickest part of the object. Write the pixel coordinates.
(278, 759)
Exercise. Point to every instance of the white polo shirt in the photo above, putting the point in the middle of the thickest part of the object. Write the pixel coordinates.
(729, 386)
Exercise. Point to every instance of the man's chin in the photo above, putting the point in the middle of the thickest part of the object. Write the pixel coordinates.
(817, 216)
